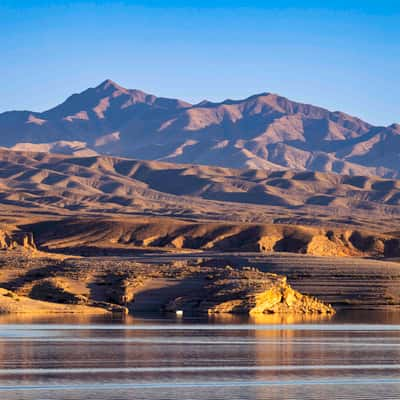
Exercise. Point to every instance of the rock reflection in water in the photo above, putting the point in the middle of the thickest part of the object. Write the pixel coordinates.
(263, 356)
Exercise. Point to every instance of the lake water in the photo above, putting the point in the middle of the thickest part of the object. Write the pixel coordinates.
(352, 356)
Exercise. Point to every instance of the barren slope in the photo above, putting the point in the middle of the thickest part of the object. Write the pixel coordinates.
(262, 131)
(96, 236)
(40, 183)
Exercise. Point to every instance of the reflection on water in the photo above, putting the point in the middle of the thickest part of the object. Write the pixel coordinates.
(351, 356)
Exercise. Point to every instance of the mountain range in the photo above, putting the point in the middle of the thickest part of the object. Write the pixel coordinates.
(264, 131)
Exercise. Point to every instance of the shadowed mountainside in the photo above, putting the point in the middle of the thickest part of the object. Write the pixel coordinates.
(264, 131)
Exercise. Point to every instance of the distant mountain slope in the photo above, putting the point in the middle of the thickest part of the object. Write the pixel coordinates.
(65, 185)
(264, 131)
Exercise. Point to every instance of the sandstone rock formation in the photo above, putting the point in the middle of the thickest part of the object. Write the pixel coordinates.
(250, 292)
(13, 238)
(85, 285)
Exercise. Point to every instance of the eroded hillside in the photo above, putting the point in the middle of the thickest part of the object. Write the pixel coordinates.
(114, 236)
(39, 183)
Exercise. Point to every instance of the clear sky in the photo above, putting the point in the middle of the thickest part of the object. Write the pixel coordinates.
(343, 55)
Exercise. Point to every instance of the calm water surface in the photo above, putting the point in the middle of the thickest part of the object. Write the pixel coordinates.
(352, 356)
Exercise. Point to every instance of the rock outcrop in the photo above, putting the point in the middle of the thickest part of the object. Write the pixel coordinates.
(56, 291)
(250, 292)
(12, 239)
(80, 285)
(12, 303)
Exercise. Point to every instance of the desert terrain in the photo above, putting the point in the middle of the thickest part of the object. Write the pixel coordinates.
(98, 234)
(261, 205)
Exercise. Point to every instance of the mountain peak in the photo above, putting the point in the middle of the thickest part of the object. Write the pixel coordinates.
(109, 84)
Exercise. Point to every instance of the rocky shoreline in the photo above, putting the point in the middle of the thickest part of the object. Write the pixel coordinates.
(250, 292)
(46, 285)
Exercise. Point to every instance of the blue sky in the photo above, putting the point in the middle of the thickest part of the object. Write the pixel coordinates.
(344, 56)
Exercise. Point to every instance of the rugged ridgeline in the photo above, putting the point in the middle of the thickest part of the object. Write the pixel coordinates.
(99, 236)
(36, 183)
(93, 286)
(265, 131)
